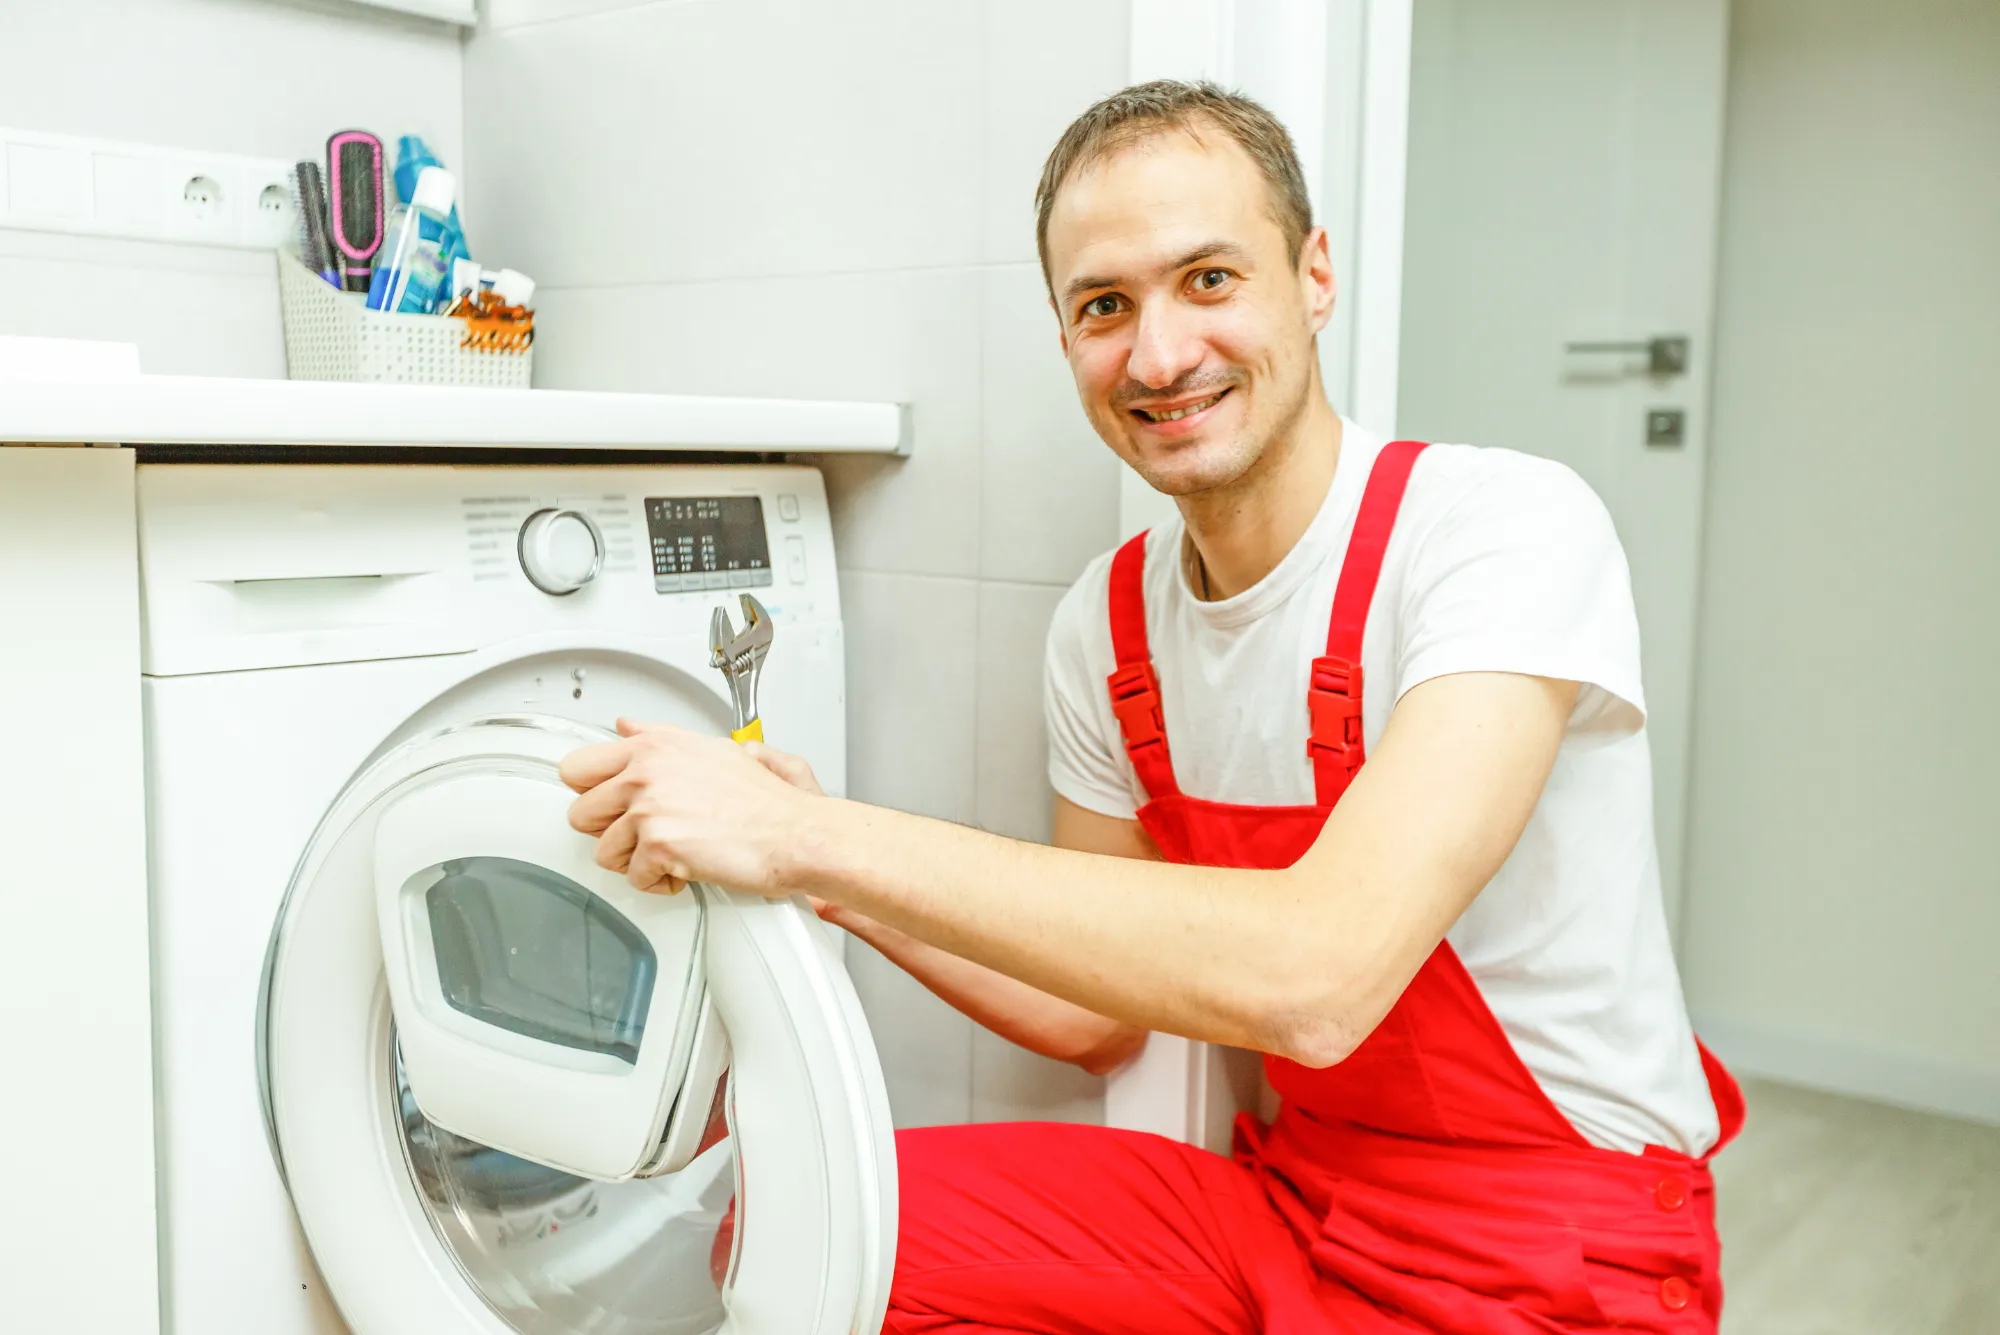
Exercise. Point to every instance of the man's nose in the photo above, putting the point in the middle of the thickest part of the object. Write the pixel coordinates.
(1164, 346)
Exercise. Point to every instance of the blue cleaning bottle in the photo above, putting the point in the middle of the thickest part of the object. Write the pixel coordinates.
(412, 156)
(411, 272)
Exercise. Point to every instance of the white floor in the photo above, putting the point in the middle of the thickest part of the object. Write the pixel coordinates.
(1840, 1217)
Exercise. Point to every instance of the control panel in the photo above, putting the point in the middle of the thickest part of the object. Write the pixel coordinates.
(708, 542)
(649, 549)
(284, 565)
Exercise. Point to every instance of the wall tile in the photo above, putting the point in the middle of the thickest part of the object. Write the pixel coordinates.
(226, 76)
(1013, 794)
(727, 137)
(1048, 484)
(911, 663)
(925, 1046)
(1045, 61)
(909, 337)
(1011, 1084)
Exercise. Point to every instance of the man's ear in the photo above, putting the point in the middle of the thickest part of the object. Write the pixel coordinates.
(1316, 279)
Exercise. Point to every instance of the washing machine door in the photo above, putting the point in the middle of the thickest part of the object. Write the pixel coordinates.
(553, 1104)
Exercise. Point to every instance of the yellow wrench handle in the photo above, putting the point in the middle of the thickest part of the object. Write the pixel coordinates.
(753, 731)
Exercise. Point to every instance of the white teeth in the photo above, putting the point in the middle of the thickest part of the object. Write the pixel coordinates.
(1178, 413)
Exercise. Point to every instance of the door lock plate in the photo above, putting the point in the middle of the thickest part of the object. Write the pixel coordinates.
(1666, 427)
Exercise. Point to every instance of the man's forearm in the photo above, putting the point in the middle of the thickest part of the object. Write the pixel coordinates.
(1065, 923)
(1302, 961)
(1017, 1012)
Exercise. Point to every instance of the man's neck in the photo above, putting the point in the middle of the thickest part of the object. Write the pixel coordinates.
(1241, 532)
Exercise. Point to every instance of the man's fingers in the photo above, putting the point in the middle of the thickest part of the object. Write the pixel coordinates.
(630, 727)
(792, 769)
(614, 847)
(586, 767)
(652, 867)
(594, 812)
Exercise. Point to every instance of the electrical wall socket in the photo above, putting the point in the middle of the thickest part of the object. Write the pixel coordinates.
(95, 187)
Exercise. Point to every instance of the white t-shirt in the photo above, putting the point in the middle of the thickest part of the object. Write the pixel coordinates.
(1500, 562)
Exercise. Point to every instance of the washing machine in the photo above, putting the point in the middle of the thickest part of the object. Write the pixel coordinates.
(422, 1065)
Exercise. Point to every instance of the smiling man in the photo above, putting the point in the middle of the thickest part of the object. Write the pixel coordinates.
(1494, 1117)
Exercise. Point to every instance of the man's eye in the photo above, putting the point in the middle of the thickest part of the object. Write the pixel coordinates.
(1210, 279)
(1101, 306)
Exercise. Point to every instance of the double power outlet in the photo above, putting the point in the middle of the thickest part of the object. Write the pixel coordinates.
(58, 183)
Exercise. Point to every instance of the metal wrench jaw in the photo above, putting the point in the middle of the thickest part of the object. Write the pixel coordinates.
(720, 633)
(740, 657)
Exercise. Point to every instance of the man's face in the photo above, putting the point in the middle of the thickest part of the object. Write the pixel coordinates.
(1187, 325)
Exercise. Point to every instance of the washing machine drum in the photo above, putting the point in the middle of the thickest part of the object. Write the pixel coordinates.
(511, 1093)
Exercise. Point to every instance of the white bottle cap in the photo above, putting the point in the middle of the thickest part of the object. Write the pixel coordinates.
(514, 287)
(464, 276)
(434, 191)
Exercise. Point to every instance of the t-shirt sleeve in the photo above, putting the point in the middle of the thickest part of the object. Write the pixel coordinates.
(1087, 761)
(1524, 573)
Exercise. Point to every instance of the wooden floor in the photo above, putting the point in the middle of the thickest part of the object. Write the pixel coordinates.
(1846, 1218)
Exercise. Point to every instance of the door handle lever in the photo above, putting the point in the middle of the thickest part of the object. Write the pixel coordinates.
(1666, 354)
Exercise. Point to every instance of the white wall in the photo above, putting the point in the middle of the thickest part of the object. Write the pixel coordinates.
(834, 199)
(1844, 887)
(267, 78)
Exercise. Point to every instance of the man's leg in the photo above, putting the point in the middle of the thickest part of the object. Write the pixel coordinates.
(1076, 1230)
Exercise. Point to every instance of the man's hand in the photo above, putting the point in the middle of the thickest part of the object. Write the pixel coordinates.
(671, 806)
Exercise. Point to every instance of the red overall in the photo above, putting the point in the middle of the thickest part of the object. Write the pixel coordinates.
(1424, 1184)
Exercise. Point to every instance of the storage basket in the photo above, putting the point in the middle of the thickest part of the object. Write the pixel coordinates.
(332, 335)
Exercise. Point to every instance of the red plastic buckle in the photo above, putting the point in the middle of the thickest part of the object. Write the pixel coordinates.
(1334, 702)
(1135, 699)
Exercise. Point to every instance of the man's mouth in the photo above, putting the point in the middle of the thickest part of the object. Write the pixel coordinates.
(1176, 414)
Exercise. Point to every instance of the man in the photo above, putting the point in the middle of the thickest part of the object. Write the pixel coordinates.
(1494, 1116)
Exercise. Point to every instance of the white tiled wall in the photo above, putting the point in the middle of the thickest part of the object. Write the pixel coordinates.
(266, 78)
(834, 199)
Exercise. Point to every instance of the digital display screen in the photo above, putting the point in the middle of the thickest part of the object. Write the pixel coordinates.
(707, 542)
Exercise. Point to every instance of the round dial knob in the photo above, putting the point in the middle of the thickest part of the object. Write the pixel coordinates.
(561, 550)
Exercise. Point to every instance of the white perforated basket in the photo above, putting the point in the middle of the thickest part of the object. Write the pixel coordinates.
(332, 335)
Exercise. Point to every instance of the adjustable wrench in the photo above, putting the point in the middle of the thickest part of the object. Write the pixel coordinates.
(740, 658)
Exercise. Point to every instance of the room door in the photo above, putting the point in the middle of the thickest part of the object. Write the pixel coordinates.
(1560, 213)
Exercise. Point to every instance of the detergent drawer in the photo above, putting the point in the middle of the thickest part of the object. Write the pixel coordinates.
(255, 566)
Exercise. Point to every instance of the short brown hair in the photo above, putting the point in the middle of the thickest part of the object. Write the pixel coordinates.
(1146, 109)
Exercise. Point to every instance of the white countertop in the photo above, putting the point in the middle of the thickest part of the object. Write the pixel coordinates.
(199, 410)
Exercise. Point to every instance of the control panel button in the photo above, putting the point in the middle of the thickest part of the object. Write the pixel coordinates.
(788, 507)
(560, 550)
(795, 559)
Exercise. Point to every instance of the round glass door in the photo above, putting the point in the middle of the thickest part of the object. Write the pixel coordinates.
(418, 1230)
(553, 1254)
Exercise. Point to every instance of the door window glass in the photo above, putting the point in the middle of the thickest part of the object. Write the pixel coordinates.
(534, 953)
(552, 1254)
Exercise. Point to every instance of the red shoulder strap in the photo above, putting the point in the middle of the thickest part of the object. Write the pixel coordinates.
(1135, 687)
(1333, 696)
